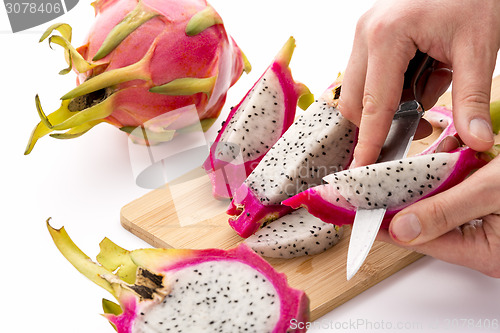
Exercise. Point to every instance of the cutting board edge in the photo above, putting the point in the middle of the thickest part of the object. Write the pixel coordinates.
(140, 232)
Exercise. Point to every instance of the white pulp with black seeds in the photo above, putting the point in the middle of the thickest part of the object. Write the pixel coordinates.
(296, 234)
(216, 296)
(319, 142)
(245, 132)
(393, 183)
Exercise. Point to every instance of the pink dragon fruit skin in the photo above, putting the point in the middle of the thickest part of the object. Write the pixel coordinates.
(226, 176)
(440, 117)
(143, 59)
(249, 213)
(325, 202)
(159, 273)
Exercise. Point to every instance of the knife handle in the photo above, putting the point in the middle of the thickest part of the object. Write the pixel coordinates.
(416, 76)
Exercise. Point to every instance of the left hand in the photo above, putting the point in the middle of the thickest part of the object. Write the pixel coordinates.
(460, 225)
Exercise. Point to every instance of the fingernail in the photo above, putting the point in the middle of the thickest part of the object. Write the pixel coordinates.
(441, 146)
(353, 163)
(449, 143)
(406, 228)
(481, 129)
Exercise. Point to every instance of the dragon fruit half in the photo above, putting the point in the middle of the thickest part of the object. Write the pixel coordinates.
(143, 59)
(255, 124)
(393, 185)
(173, 290)
(318, 143)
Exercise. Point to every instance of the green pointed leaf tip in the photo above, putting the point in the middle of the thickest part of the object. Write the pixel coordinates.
(76, 131)
(247, 67)
(73, 57)
(495, 116)
(284, 56)
(137, 17)
(149, 136)
(202, 20)
(306, 98)
(110, 307)
(64, 28)
(80, 260)
(41, 114)
(186, 86)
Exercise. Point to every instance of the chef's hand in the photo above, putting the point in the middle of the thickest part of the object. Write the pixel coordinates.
(462, 35)
(460, 225)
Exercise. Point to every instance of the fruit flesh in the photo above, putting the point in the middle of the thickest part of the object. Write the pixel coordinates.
(233, 301)
(255, 124)
(326, 203)
(294, 235)
(319, 142)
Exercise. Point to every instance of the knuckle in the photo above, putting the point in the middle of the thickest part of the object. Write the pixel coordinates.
(362, 22)
(382, 29)
(438, 221)
(374, 105)
(475, 99)
(348, 110)
(370, 104)
(367, 144)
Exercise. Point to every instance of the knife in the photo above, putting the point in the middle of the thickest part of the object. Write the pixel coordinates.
(404, 124)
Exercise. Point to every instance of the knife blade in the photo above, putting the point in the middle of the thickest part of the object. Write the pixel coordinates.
(404, 125)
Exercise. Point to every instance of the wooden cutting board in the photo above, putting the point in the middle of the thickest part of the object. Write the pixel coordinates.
(194, 219)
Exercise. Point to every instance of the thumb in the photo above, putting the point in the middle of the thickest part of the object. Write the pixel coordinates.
(471, 96)
(433, 217)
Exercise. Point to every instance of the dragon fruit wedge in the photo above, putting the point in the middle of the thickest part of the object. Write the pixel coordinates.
(294, 235)
(143, 59)
(255, 124)
(318, 143)
(172, 290)
(392, 185)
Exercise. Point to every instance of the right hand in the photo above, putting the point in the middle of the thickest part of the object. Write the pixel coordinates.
(463, 35)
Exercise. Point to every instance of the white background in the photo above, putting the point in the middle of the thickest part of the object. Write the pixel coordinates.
(83, 183)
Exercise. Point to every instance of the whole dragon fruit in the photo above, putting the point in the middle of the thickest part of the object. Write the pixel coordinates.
(393, 185)
(174, 290)
(144, 59)
(255, 124)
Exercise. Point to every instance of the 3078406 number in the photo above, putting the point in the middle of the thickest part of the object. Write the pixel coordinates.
(33, 8)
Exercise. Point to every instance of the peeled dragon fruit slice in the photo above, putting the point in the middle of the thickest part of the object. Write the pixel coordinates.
(294, 235)
(143, 59)
(212, 290)
(318, 143)
(393, 185)
(255, 124)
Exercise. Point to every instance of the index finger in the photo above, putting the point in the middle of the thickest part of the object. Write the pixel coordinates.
(382, 93)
